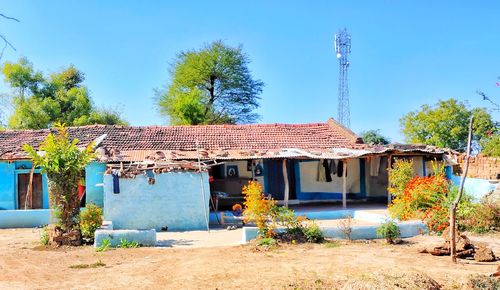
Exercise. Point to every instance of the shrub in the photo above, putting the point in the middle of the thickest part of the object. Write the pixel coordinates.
(425, 198)
(491, 145)
(345, 226)
(258, 208)
(313, 233)
(90, 220)
(269, 242)
(480, 217)
(44, 236)
(399, 176)
(389, 230)
(106, 245)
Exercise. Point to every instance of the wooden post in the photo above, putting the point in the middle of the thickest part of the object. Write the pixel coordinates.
(29, 192)
(389, 167)
(285, 180)
(454, 205)
(253, 170)
(344, 184)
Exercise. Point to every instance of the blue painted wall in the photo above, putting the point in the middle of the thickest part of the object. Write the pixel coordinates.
(94, 178)
(8, 183)
(175, 200)
(473, 186)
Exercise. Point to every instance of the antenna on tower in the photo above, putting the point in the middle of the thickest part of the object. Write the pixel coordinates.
(342, 46)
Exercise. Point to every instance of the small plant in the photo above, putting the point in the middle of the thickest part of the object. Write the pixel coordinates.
(124, 244)
(44, 236)
(346, 227)
(389, 230)
(90, 220)
(269, 242)
(399, 176)
(105, 246)
(332, 244)
(313, 233)
(86, 266)
(483, 282)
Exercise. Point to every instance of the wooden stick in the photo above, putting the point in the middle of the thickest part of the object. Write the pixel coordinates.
(389, 167)
(454, 205)
(285, 180)
(29, 192)
(344, 184)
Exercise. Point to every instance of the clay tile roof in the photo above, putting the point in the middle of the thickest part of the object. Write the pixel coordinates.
(210, 137)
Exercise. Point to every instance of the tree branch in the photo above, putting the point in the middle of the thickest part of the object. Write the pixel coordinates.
(9, 18)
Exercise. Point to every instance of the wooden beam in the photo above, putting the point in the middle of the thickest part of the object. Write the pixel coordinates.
(389, 166)
(285, 180)
(344, 184)
(29, 192)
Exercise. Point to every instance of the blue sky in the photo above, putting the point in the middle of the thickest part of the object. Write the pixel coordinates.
(404, 53)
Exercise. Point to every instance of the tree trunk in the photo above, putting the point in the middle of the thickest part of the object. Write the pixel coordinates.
(454, 205)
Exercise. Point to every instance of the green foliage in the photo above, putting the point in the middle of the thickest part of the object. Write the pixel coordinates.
(124, 244)
(44, 236)
(483, 282)
(374, 137)
(399, 176)
(490, 146)
(389, 230)
(445, 124)
(269, 242)
(63, 162)
(105, 246)
(90, 220)
(479, 217)
(212, 85)
(41, 101)
(313, 233)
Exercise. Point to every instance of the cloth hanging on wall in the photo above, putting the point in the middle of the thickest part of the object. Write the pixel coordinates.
(333, 167)
(116, 180)
(320, 172)
(340, 169)
(328, 175)
(374, 165)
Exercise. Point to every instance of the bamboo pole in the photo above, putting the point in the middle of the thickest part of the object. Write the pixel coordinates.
(344, 184)
(29, 192)
(454, 205)
(285, 180)
(207, 214)
(389, 167)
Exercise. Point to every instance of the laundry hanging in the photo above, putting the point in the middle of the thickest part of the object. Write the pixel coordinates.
(116, 181)
(374, 165)
(320, 172)
(333, 167)
(328, 175)
(340, 168)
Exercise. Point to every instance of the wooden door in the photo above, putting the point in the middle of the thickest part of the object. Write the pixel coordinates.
(37, 191)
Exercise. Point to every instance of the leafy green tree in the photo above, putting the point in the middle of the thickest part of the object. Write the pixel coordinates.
(40, 101)
(63, 162)
(212, 85)
(490, 146)
(374, 137)
(445, 124)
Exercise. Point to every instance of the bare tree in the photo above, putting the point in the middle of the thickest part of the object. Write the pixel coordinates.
(5, 41)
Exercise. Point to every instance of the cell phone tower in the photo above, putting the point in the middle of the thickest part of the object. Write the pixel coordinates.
(342, 50)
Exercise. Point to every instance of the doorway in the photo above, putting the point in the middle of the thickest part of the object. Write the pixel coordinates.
(36, 201)
(275, 184)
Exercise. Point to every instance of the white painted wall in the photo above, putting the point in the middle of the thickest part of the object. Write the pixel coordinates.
(308, 182)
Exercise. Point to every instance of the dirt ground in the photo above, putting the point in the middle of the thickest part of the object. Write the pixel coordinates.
(24, 265)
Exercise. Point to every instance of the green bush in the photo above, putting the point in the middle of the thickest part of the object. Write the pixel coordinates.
(267, 242)
(491, 145)
(389, 230)
(313, 233)
(44, 236)
(479, 217)
(399, 176)
(90, 220)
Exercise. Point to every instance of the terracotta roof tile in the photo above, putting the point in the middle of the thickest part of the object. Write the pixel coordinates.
(184, 138)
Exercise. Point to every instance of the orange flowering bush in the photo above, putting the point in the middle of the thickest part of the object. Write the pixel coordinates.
(424, 198)
(258, 208)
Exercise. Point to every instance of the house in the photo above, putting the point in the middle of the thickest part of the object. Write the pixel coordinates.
(296, 163)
